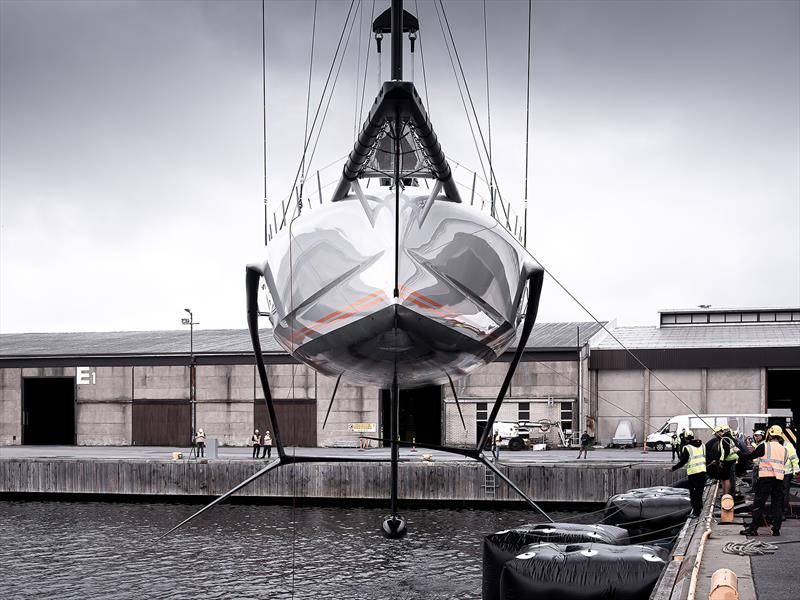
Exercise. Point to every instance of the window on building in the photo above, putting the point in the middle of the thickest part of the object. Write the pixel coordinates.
(700, 318)
(524, 412)
(681, 319)
(749, 317)
(566, 417)
(481, 416)
(733, 318)
(717, 317)
(668, 319)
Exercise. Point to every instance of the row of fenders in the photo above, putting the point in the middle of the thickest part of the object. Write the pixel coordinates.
(620, 558)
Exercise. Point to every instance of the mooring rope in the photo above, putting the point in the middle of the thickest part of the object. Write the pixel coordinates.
(749, 548)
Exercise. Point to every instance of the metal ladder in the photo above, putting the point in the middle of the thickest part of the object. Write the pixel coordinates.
(489, 484)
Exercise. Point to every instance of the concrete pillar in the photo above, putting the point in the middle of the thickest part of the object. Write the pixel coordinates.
(646, 407)
(703, 391)
(763, 387)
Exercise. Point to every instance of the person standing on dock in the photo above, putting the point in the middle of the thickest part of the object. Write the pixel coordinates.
(676, 445)
(758, 440)
(496, 440)
(266, 445)
(693, 455)
(771, 464)
(200, 442)
(256, 441)
(791, 468)
(584, 449)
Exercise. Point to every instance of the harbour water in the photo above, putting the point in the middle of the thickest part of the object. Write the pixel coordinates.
(109, 550)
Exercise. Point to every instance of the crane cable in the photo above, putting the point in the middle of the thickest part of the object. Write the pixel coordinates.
(264, 109)
(422, 58)
(488, 104)
(319, 107)
(527, 126)
(461, 93)
(474, 112)
(366, 66)
(308, 98)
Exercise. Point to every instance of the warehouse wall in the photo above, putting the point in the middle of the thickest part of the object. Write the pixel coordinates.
(620, 392)
(542, 384)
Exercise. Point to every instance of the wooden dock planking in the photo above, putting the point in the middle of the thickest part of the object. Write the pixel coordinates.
(455, 481)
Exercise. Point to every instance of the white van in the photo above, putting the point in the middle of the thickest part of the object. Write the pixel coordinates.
(702, 426)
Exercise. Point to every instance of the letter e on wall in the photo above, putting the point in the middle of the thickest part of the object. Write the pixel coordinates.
(85, 376)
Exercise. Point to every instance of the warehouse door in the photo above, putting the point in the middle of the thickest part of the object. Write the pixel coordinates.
(297, 419)
(420, 415)
(783, 392)
(162, 423)
(48, 410)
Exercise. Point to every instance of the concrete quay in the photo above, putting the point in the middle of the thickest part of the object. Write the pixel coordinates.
(698, 554)
(137, 471)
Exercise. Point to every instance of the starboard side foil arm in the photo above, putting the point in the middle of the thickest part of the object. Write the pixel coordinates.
(535, 280)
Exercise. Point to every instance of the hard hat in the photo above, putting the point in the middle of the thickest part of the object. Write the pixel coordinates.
(759, 432)
(775, 430)
(688, 433)
(719, 428)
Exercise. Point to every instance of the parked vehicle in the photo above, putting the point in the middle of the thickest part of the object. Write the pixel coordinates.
(703, 425)
(624, 437)
(511, 434)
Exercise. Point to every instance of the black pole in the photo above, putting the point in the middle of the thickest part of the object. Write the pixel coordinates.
(397, 40)
(394, 406)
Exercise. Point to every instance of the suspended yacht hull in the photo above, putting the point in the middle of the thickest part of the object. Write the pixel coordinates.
(331, 277)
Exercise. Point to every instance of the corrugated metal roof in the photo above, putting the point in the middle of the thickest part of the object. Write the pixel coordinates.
(760, 335)
(551, 336)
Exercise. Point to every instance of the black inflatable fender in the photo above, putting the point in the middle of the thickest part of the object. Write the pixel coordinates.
(504, 545)
(582, 572)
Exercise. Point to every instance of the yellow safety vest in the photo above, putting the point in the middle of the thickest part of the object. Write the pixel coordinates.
(792, 464)
(773, 463)
(697, 459)
(755, 460)
(732, 450)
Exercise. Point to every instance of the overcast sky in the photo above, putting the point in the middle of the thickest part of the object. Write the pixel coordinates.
(664, 169)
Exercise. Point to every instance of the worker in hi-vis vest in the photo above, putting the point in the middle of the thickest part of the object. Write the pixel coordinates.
(693, 455)
(759, 439)
(771, 465)
(791, 469)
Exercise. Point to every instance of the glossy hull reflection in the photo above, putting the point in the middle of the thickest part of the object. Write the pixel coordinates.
(331, 276)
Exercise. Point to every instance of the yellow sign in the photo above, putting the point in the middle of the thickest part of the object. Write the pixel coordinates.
(363, 427)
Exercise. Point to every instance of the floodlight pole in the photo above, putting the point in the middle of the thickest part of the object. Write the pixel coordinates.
(192, 372)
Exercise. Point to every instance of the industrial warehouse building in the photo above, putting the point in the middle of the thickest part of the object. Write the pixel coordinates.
(134, 388)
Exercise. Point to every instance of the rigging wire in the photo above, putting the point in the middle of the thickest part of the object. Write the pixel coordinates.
(319, 107)
(491, 170)
(358, 68)
(527, 125)
(330, 97)
(461, 93)
(488, 101)
(615, 338)
(366, 66)
(308, 95)
(264, 108)
(422, 58)
(646, 422)
(472, 105)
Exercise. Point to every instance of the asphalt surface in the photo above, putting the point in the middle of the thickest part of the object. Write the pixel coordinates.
(600, 455)
(775, 575)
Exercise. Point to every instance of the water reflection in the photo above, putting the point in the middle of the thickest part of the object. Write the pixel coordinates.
(105, 550)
